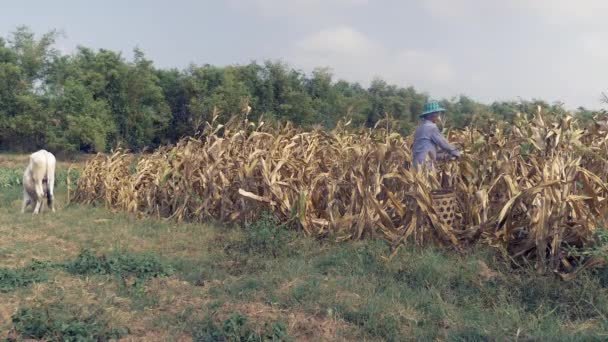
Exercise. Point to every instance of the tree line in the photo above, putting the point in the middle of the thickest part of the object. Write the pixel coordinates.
(93, 100)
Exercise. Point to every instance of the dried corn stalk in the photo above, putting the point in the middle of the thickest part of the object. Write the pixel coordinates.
(531, 189)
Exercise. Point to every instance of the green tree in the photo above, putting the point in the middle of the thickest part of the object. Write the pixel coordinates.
(33, 55)
(81, 123)
(24, 61)
(173, 84)
(91, 100)
(147, 113)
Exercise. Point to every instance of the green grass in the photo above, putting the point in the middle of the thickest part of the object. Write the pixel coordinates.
(155, 280)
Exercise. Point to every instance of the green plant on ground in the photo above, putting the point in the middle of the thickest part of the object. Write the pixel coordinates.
(142, 266)
(56, 322)
(237, 328)
(597, 247)
(267, 237)
(11, 279)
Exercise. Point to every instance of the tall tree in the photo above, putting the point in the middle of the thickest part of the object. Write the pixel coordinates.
(147, 111)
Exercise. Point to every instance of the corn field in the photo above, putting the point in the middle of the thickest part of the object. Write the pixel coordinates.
(533, 189)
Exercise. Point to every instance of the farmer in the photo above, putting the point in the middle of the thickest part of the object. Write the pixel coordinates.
(428, 137)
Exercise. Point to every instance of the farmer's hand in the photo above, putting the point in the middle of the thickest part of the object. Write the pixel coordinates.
(443, 156)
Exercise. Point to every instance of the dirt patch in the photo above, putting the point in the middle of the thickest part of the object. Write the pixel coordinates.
(8, 306)
(155, 336)
(300, 325)
(486, 273)
(80, 291)
(174, 295)
(82, 295)
(17, 249)
(14, 160)
(287, 286)
(349, 296)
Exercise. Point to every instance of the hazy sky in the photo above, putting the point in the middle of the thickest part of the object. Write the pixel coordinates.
(556, 50)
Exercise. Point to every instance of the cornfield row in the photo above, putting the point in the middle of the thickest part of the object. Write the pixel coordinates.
(532, 190)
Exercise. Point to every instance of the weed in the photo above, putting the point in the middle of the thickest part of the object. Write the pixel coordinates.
(196, 272)
(307, 292)
(245, 288)
(354, 259)
(576, 300)
(597, 247)
(469, 335)
(236, 328)
(267, 237)
(55, 322)
(374, 321)
(434, 272)
(11, 279)
(10, 194)
(142, 266)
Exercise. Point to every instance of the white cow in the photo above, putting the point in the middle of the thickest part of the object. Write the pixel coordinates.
(39, 180)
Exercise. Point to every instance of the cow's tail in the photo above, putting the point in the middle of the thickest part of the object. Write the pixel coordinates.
(49, 198)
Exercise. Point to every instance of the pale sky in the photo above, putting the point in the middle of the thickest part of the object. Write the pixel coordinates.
(555, 50)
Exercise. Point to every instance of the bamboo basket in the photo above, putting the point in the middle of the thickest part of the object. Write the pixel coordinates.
(444, 201)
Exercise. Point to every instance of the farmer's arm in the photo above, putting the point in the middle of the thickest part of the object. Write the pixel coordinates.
(440, 141)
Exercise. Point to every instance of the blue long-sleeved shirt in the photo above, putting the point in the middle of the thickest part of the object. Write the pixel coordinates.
(426, 140)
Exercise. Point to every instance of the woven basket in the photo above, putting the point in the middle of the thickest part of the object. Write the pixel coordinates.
(444, 202)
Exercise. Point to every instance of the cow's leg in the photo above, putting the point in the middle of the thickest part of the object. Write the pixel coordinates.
(26, 201)
(50, 185)
(39, 196)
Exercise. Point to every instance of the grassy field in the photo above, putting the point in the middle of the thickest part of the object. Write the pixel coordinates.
(15, 161)
(87, 272)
